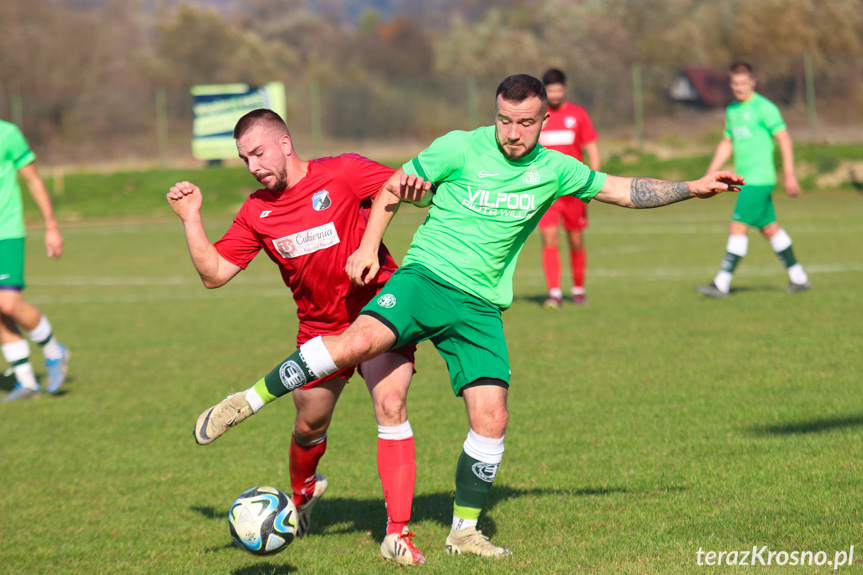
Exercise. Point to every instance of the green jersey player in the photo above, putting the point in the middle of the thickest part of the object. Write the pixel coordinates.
(16, 313)
(751, 125)
(492, 187)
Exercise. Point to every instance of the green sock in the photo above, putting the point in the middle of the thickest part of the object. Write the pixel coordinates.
(730, 262)
(787, 258)
(285, 378)
(473, 481)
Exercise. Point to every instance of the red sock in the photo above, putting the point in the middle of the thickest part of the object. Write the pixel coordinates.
(551, 265)
(578, 261)
(397, 467)
(304, 463)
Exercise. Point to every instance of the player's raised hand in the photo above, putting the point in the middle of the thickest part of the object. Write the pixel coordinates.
(408, 188)
(362, 265)
(185, 199)
(716, 183)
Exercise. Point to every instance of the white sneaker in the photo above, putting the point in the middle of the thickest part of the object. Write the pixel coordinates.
(471, 540)
(304, 512)
(400, 548)
(221, 417)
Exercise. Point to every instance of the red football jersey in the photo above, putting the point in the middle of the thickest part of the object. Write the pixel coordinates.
(309, 231)
(568, 129)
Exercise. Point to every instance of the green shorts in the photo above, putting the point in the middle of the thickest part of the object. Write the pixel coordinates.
(12, 263)
(467, 331)
(755, 206)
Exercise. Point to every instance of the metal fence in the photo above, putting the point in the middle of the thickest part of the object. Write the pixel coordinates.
(821, 101)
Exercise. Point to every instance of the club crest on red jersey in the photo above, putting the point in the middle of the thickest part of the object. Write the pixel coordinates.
(569, 122)
(321, 200)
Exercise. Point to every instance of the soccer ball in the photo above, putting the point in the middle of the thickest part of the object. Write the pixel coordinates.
(263, 520)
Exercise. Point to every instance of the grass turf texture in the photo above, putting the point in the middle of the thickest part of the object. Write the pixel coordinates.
(643, 427)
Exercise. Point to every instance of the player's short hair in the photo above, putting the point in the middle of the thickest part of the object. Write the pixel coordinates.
(741, 67)
(520, 87)
(553, 76)
(261, 116)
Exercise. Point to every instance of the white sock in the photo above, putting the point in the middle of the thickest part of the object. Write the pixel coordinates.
(459, 523)
(780, 241)
(485, 449)
(723, 281)
(737, 245)
(254, 399)
(555, 293)
(44, 336)
(395, 432)
(797, 275)
(17, 354)
(318, 358)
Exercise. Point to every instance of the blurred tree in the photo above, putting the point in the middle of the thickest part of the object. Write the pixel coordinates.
(498, 44)
(46, 61)
(197, 46)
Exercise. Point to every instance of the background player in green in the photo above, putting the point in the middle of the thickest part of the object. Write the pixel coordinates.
(751, 125)
(493, 185)
(15, 311)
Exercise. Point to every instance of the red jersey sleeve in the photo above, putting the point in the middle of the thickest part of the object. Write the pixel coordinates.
(239, 245)
(586, 131)
(366, 176)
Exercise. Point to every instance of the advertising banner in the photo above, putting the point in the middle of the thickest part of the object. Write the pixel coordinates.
(216, 109)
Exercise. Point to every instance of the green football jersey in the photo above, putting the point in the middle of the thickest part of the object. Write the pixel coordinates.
(485, 206)
(751, 125)
(14, 155)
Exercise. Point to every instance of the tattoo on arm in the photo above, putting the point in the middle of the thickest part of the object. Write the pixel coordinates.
(650, 193)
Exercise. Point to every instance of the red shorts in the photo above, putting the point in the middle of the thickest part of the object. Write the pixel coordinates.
(345, 374)
(569, 208)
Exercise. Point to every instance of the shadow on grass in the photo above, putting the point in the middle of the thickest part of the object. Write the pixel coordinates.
(535, 299)
(813, 426)
(265, 569)
(7, 383)
(343, 515)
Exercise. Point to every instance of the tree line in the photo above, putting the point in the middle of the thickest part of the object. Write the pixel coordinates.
(63, 53)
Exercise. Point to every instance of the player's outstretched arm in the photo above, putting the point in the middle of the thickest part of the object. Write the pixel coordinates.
(185, 199)
(53, 237)
(363, 265)
(652, 193)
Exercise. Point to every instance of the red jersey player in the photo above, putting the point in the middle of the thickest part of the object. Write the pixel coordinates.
(570, 131)
(308, 218)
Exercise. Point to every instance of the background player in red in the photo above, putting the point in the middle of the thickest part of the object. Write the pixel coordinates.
(571, 132)
(308, 218)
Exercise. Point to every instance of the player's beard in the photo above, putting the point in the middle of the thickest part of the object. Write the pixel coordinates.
(278, 182)
(509, 155)
(555, 106)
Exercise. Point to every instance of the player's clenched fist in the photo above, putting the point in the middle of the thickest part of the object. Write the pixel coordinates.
(185, 199)
(363, 265)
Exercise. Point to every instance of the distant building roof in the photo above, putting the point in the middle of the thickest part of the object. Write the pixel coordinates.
(707, 87)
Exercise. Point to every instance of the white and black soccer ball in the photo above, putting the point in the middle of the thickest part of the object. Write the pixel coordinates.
(263, 520)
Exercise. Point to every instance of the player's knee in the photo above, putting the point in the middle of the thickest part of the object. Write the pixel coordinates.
(391, 409)
(8, 306)
(308, 432)
(490, 422)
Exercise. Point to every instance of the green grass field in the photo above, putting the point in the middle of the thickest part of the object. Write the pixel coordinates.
(644, 427)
